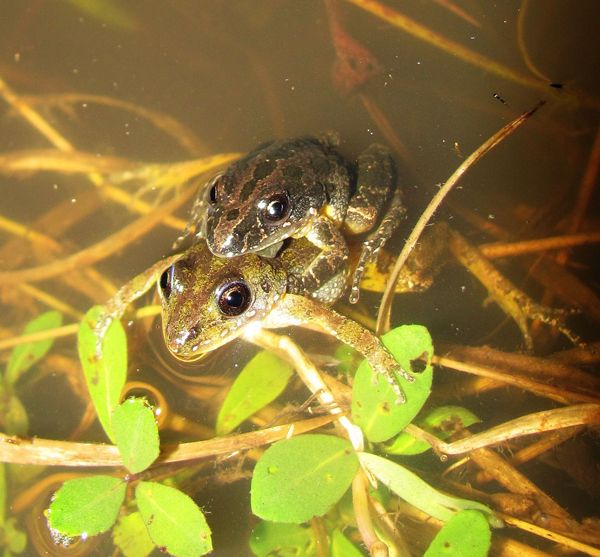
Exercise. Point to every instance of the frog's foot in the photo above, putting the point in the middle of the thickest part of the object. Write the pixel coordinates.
(104, 321)
(511, 300)
(376, 241)
(390, 377)
(523, 309)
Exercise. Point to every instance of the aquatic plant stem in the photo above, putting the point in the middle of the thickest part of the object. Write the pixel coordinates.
(284, 347)
(423, 33)
(549, 535)
(45, 452)
(360, 502)
(102, 249)
(383, 316)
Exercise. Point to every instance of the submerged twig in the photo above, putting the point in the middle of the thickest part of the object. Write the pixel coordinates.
(383, 317)
(527, 425)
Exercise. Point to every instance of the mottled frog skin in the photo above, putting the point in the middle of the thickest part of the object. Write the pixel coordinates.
(209, 301)
(300, 188)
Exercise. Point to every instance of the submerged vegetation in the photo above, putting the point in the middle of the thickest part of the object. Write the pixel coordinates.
(319, 455)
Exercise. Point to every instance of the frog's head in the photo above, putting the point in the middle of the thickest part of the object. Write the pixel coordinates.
(208, 301)
(269, 195)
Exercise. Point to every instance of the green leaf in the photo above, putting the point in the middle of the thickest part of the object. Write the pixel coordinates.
(25, 355)
(131, 536)
(86, 505)
(15, 419)
(175, 524)
(420, 494)
(441, 422)
(302, 477)
(465, 535)
(374, 407)
(136, 434)
(349, 358)
(276, 539)
(105, 377)
(261, 381)
(342, 547)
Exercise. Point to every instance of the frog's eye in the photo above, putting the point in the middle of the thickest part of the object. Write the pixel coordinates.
(212, 188)
(233, 298)
(276, 208)
(212, 193)
(166, 281)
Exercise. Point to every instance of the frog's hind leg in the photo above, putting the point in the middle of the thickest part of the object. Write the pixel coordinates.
(332, 290)
(331, 262)
(376, 241)
(375, 182)
(299, 310)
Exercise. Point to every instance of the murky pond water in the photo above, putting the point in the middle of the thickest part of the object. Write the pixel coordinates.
(91, 94)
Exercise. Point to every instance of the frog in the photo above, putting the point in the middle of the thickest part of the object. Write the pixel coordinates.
(300, 187)
(208, 301)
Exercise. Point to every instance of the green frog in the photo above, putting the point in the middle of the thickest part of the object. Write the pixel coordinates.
(209, 301)
(300, 188)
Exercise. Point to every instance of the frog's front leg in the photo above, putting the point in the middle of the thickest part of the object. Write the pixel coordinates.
(333, 257)
(376, 181)
(298, 310)
(136, 287)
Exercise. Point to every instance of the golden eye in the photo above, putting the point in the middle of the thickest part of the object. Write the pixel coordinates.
(234, 298)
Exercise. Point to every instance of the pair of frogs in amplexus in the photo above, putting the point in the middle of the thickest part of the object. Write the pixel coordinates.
(268, 250)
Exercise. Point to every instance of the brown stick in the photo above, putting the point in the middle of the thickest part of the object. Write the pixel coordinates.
(46, 452)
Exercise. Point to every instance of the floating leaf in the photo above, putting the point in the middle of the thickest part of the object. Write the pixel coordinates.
(131, 536)
(25, 355)
(420, 494)
(441, 422)
(105, 377)
(261, 381)
(374, 407)
(276, 539)
(303, 477)
(86, 505)
(175, 524)
(136, 434)
(342, 547)
(466, 535)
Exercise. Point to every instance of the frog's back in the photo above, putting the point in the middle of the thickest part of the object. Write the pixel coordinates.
(271, 194)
